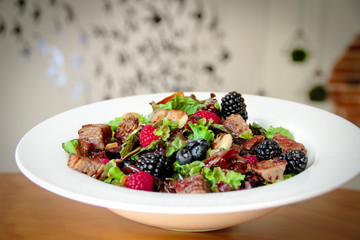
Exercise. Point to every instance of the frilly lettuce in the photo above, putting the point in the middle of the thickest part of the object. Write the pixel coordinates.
(114, 173)
(114, 124)
(216, 175)
(187, 104)
(246, 135)
(174, 146)
(188, 169)
(71, 146)
(201, 130)
(283, 131)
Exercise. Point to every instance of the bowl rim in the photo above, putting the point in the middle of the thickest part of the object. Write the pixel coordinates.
(308, 184)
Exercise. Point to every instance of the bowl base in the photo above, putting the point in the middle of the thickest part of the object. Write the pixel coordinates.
(194, 222)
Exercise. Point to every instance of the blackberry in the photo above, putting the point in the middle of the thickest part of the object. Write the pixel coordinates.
(296, 161)
(267, 149)
(233, 103)
(155, 163)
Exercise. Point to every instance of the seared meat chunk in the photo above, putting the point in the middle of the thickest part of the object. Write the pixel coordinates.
(236, 124)
(126, 127)
(193, 184)
(271, 170)
(227, 159)
(97, 135)
(250, 143)
(287, 144)
(90, 166)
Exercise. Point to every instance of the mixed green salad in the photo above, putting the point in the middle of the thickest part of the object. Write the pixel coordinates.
(187, 145)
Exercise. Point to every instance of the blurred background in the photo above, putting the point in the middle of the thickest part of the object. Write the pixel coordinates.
(59, 54)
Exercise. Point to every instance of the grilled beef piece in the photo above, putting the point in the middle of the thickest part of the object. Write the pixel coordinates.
(227, 159)
(169, 186)
(271, 170)
(90, 166)
(194, 184)
(236, 124)
(126, 127)
(287, 144)
(84, 147)
(224, 187)
(250, 143)
(97, 135)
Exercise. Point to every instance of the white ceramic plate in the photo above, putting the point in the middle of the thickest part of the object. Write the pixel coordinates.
(332, 143)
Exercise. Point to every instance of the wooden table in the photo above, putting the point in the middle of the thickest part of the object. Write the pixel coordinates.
(30, 212)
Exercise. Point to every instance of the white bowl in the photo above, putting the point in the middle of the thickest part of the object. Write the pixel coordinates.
(332, 144)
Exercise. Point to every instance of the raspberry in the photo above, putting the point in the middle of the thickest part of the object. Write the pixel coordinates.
(147, 136)
(251, 158)
(140, 181)
(208, 115)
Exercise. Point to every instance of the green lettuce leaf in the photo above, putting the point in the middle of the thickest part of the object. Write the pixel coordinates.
(144, 119)
(201, 130)
(287, 176)
(257, 129)
(188, 169)
(219, 127)
(163, 131)
(216, 175)
(174, 146)
(247, 135)
(129, 144)
(172, 125)
(283, 131)
(151, 146)
(114, 124)
(114, 173)
(71, 146)
(179, 103)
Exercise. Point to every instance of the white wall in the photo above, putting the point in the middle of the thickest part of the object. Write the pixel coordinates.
(257, 35)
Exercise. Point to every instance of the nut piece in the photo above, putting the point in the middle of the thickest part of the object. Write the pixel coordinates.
(160, 114)
(223, 141)
(182, 121)
(111, 145)
(176, 115)
(134, 114)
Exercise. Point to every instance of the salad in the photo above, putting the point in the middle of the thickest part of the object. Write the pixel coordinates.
(187, 145)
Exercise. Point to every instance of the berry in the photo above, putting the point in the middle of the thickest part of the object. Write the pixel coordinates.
(194, 150)
(154, 163)
(212, 104)
(198, 152)
(147, 136)
(267, 149)
(140, 181)
(233, 103)
(197, 148)
(183, 156)
(251, 158)
(208, 115)
(296, 161)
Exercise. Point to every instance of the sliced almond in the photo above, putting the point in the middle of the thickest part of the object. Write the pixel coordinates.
(225, 142)
(132, 153)
(159, 115)
(175, 115)
(182, 121)
(111, 145)
(136, 115)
